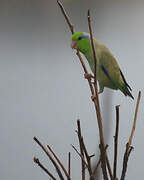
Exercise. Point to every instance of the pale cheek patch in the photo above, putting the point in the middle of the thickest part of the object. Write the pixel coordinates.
(74, 45)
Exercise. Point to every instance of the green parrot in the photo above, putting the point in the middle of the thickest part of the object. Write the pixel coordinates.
(108, 71)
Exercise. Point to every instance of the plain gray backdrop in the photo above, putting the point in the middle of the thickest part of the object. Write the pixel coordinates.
(42, 89)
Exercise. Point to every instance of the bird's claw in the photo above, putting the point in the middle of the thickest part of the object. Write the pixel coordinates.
(93, 97)
(88, 76)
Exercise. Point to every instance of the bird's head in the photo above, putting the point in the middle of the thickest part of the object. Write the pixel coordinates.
(81, 42)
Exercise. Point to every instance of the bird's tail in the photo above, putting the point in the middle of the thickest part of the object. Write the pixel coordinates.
(126, 90)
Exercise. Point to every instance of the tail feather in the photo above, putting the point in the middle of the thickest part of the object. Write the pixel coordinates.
(126, 84)
(126, 91)
(126, 88)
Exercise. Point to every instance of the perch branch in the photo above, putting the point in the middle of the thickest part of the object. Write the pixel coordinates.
(97, 105)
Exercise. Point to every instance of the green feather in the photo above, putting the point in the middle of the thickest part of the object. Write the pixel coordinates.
(110, 75)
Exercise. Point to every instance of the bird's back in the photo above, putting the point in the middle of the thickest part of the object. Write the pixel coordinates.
(107, 60)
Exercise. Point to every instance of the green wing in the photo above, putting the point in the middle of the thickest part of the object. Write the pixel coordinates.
(109, 73)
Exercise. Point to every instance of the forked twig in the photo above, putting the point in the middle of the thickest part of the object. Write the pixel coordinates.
(125, 160)
(97, 165)
(88, 158)
(59, 162)
(83, 147)
(50, 157)
(80, 155)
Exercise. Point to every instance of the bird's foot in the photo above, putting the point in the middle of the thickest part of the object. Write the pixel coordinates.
(88, 76)
(93, 97)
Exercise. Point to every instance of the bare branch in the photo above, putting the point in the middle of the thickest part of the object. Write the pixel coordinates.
(36, 160)
(135, 118)
(50, 157)
(80, 155)
(128, 145)
(116, 143)
(88, 158)
(59, 162)
(93, 49)
(97, 106)
(69, 163)
(97, 165)
(109, 166)
(81, 149)
(125, 160)
(66, 16)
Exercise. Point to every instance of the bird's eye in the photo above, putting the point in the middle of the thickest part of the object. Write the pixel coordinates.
(80, 38)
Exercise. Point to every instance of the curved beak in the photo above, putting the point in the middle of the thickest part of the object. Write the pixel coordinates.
(74, 45)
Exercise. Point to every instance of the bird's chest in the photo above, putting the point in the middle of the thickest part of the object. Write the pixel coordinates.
(101, 77)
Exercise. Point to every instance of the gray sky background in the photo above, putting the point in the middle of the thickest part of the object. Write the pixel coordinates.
(43, 92)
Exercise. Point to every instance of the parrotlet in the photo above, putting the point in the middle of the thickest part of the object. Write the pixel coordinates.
(108, 72)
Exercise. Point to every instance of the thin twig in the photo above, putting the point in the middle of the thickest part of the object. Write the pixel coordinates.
(103, 164)
(109, 166)
(50, 157)
(81, 149)
(95, 82)
(125, 160)
(135, 118)
(128, 145)
(69, 164)
(59, 162)
(36, 160)
(116, 143)
(99, 161)
(66, 17)
(72, 31)
(93, 49)
(87, 158)
(97, 165)
(80, 155)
